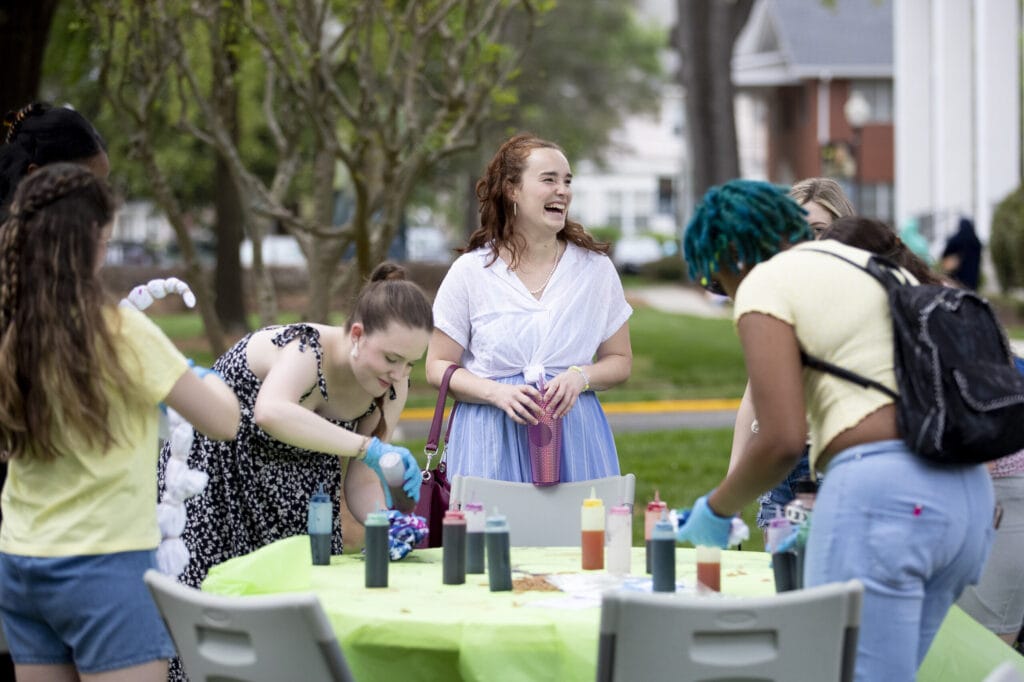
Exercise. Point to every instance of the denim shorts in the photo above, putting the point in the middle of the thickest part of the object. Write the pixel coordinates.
(93, 612)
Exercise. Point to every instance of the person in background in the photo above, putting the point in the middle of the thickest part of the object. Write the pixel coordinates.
(914, 534)
(533, 299)
(39, 134)
(80, 381)
(961, 259)
(824, 201)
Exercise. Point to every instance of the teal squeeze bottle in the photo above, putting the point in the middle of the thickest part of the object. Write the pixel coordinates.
(319, 523)
(499, 566)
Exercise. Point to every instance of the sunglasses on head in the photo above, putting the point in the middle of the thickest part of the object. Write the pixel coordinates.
(713, 286)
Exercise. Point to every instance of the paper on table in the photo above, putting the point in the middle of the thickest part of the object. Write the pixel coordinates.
(584, 590)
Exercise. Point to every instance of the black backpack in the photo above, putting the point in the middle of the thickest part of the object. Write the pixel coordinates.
(961, 398)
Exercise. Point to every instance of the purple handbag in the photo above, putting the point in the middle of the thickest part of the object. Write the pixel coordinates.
(436, 490)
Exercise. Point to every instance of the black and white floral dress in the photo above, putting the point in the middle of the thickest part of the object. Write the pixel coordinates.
(259, 487)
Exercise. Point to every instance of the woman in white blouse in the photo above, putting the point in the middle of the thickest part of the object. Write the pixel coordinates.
(533, 301)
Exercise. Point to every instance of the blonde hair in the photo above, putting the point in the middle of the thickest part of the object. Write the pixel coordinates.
(825, 192)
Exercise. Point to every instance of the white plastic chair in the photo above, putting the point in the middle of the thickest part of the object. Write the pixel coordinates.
(542, 517)
(252, 639)
(1005, 672)
(807, 635)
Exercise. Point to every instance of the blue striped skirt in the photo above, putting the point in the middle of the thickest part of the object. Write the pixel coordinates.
(485, 442)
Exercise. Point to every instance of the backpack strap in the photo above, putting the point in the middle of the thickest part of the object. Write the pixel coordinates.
(888, 280)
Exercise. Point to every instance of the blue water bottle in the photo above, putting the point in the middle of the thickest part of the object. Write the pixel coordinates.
(320, 521)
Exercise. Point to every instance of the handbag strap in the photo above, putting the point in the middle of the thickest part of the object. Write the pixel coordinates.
(430, 449)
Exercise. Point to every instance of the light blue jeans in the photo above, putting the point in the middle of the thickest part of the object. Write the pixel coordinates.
(915, 534)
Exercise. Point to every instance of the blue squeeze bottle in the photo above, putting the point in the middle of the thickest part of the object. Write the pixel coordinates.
(663, 555)
(319, 522)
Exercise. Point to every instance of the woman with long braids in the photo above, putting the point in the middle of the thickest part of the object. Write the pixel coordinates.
(80, 381)
(914, 534)
(533, 301)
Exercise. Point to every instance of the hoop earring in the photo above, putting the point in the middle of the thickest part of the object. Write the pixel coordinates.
(354, 352)
(515, 209)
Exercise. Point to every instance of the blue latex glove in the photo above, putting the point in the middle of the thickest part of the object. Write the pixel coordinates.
(704, 527)
(412, 476)
(201, 371)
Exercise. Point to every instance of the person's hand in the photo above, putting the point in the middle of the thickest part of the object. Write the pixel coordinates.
(563, 391)
(411, 476)
(519, 402)
(702, 526)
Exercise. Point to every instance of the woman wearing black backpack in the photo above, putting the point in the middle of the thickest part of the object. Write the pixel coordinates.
(914, 534)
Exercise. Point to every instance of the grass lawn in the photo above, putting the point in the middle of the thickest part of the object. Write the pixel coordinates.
(674, 357)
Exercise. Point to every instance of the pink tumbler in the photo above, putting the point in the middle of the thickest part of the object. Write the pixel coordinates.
(545, 448)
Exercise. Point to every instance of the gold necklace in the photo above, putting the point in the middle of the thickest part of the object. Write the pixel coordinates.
(547, 279)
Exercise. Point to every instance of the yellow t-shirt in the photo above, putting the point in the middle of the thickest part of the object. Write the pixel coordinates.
(89, 502)
(841, 315)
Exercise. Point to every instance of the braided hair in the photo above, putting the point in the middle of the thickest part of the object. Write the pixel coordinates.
(741, 223)
(58, 358)
(388, 297)
(504, 172)
(40, 134)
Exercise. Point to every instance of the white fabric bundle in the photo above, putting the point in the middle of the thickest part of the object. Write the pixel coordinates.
(142, 296)
(180, 483)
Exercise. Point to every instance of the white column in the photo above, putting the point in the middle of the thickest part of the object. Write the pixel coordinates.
(997, 77)
(912, 115)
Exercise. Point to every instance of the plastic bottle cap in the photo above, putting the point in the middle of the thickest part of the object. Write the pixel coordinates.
(496, 522)
(454, 515)
(472, 507)
(320, 495)
(377, 518)
(619, 509)
(392, 467)
(593, 502)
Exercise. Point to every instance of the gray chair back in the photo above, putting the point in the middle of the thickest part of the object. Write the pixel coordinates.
(253, 639)
(807, 635)
(542, 517)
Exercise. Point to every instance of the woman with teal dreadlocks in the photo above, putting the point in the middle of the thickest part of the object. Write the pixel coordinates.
(915, 535)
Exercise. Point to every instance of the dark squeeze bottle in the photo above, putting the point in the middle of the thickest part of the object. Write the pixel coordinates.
(376, 542)
(475, 522)
(453, 547)
(663, 555)
(319, 522)
(499, 566)
(651, 517)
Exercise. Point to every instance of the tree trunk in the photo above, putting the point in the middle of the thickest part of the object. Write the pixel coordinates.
(229, 299)
(24, 28)
(704, 36)
(227, 279)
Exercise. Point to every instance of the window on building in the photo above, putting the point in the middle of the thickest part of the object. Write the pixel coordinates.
(666, 195)
(878, 94)
(877, 202)
(615, 208)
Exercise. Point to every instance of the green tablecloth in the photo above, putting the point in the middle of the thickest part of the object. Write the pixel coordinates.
(419, 629)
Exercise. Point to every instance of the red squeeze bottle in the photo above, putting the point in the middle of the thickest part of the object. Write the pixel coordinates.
(651, 517)
(592, 525)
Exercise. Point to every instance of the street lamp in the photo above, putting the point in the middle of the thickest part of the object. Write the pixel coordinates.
(857, 112)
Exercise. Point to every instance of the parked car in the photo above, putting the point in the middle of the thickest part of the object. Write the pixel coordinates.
(630, 253)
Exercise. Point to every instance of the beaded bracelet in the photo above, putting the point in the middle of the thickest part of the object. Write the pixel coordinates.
(586, 379)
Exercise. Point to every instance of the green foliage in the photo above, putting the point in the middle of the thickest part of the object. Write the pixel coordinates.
(605, 233)
(1007, 241)
(667, 269)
